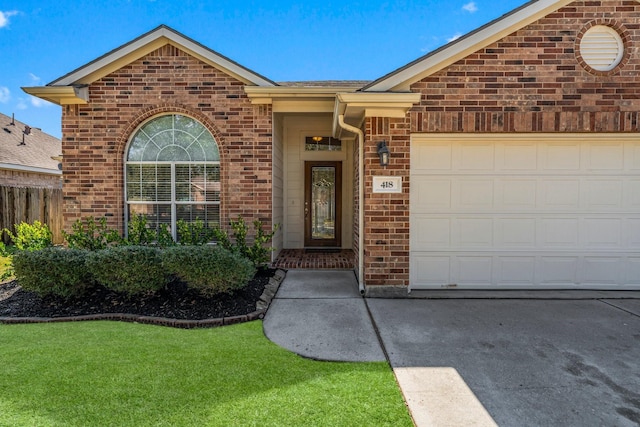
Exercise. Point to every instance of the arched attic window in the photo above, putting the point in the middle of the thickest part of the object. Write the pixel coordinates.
(173, 173)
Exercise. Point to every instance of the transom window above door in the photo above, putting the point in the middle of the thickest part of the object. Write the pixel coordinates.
(322, 143)
(173, 173)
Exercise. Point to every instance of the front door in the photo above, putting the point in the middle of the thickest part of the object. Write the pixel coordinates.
(322, 204)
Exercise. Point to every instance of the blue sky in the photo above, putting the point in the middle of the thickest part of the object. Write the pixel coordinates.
(282, 40)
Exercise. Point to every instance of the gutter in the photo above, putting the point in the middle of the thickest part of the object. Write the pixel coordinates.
(353, 129)
(22, 168)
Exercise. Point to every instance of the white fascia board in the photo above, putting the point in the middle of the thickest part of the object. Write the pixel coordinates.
(295, 92)
(22, 168)
(60, 95)
(151, 41)
(402, 78)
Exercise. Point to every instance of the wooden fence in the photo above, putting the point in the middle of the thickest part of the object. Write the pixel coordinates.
(31, 204)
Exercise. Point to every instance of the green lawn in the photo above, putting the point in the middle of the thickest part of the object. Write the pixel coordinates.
(123, 374)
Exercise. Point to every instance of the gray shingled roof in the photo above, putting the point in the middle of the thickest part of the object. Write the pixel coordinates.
(37, 151)
(326, 83)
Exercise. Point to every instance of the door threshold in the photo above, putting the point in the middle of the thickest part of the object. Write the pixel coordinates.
(331, 250)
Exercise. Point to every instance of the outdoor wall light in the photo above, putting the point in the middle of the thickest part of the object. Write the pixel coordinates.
(383, 153)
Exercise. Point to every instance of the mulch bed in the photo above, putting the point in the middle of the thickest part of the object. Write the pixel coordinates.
(174, 302)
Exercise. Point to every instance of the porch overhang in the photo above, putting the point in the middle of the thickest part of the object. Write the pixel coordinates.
(357, 106)
(286, 99)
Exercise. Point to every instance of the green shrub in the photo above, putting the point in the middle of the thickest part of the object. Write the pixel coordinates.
(257, 252)
(91, 235)
(193, 233)
(209, 269)
(52, 271)
(129, 269)
(31, 237)
(140, 234)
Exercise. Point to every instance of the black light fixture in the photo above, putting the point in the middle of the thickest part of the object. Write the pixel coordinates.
(383, 153)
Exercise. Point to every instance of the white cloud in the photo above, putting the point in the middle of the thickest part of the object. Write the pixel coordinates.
(4, 17)
(22, 104)
(5, 94)
(470, 7)
(35, 80)
(39, 103)
(456, 36)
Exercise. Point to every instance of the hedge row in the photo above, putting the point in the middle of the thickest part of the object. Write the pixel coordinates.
(131, 269)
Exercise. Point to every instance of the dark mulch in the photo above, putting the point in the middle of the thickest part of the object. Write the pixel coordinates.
(174, 302)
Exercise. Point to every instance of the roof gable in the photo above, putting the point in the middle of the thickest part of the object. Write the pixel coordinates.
(401, 79)
(146, 44)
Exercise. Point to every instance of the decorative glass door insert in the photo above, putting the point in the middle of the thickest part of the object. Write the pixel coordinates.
(322, 207)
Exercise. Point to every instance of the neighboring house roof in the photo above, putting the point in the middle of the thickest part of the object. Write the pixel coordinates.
(70, 88)
(35, 155)
(401, 79)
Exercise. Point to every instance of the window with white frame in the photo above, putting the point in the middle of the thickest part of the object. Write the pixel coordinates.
(173, 173)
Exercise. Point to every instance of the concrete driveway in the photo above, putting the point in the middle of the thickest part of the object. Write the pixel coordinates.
(529, 362)
(544, 361)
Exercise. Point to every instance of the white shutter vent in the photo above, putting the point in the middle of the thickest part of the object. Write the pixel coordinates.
(601, 48)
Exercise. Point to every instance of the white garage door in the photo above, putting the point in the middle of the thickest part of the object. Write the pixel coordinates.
(525, 211)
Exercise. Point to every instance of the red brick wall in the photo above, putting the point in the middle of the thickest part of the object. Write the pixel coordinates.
(533, 80)
(168, 80)
(386, 226)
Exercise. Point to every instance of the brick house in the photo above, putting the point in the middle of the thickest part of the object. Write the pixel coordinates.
(514, 161)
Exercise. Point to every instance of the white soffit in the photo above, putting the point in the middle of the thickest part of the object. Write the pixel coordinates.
(150, 42)
(402, 78)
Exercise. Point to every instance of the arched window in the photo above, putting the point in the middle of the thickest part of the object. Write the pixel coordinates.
(173, 173)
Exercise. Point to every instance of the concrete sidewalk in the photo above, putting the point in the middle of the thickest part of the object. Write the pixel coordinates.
(475, 361)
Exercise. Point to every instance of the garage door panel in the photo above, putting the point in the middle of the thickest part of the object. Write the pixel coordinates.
(558, 270)
(472, 232)
(473, 270)
(432, 157)
(632, 271)
(633, 157)
(602, 233)
(518, 233)
(428, 194)
(559, 232)
(524, 211)
(475, 157)
(431, 270)
(632, 232)
(560, 195)
(632, 195)
(516, 270)
(517, 157)
(561, 157)
(602, 270)
(474, 194)
(603, 194)
(605, 156)
(517, 194)
(431, 233)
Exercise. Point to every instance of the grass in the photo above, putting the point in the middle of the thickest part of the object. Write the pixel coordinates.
(122, 374)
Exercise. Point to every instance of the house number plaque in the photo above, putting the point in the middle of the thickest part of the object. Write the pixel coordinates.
(387, 184)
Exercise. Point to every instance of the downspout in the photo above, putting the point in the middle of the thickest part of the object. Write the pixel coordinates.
(360, 134)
